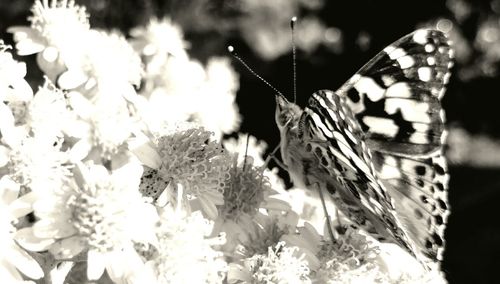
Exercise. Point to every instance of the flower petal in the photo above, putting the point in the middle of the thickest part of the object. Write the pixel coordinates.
(164, 197)
(21, 32)
(215, 197)
(145, 152)
(209, 208)
(309, 255)
(47, 228)
(128, 176)
(50, 54)
(28, 47)
(129, 93)
(80, 105)
(22, 91)
(146, 275)
(8, 273)
(144, 217)
(72, 79)
(9, 190)
(24, 262)
(4, 155)
(23, 205)
(275, 204)
(67, 248)
(6, 118)
(123, 263)
(76, 128)
(44, 208)
(80, 150)
(96, 263)
(237, 274)
(310, 233)
(27, 240)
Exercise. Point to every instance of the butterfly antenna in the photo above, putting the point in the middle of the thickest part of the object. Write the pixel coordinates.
(235, 55)
(294, 58)
(246, 152)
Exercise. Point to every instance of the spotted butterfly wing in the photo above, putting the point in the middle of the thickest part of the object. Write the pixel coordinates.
(396, 98)
(375, 145)
(396, 95)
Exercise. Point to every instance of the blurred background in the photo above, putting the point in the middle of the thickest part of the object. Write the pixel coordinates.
(333, 41)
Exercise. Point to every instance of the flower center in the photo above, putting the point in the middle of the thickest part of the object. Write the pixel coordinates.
(59, 19)
(193, 160)
(97, 215)
(183, 248)
(280, 265)
(38, 163)
(244, 192)
(110, 132)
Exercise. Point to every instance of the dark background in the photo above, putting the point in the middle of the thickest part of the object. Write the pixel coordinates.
(473, 233)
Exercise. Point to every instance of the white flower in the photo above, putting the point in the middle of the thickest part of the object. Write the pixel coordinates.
(45, 114)
(354, 257)
(99, 213)
(181, 76)
(255, 148)
(161, 36)
(36, 163)
(161, 110)
(103, 126)
(187, 158)
(109, 62)
(250, 235)
(280, 265)
(14, 257)
(48, 113)
(13, 86)
(183, 90)
(216, 108)
(158, 41)
(310, 33)
(401, 267)
(58, 30)
(308, 205)
(14, 90)
(184, 254)
(267, 28)
(247, 190)
(247, 194)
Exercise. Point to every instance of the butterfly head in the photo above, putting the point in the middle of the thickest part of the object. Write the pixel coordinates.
(287, 113)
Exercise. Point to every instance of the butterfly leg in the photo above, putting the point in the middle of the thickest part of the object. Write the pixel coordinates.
(280, 163)
(328, 220)
(339, 228)
(276, 160)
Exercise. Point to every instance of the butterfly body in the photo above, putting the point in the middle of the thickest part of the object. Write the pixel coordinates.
(375, 145)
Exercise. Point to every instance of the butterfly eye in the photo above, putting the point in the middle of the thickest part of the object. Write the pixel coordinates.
(283, 115)
(288, 117)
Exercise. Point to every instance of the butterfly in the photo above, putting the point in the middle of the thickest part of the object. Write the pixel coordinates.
(376, 144)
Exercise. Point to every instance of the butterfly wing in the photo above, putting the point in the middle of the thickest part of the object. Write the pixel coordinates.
(418, 186)
(396, 99)
(396, 95)
(342, 165)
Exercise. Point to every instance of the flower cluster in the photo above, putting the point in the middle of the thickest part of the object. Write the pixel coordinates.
(113, 170)
(177, 88)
